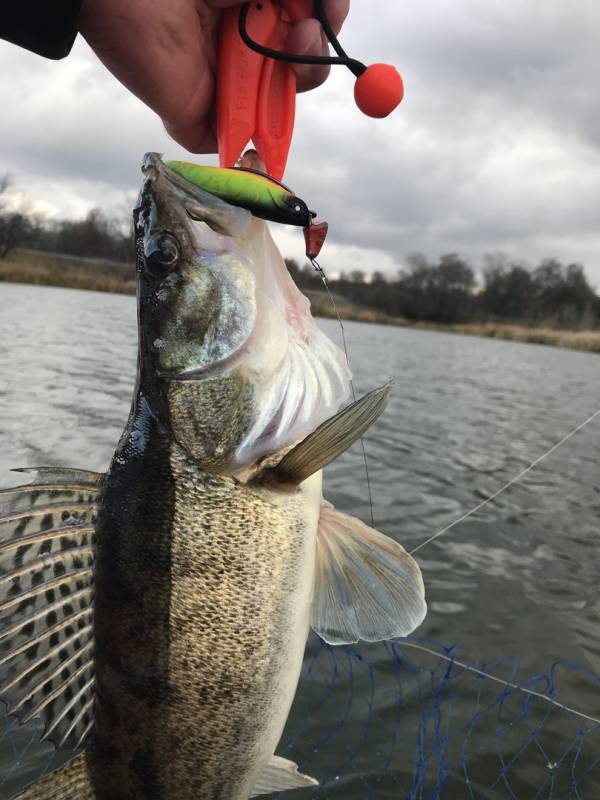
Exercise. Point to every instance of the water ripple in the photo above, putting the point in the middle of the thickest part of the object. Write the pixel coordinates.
(465, 416)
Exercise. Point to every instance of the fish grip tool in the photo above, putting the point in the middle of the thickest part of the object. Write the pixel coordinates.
(256, 86)
(256, 82)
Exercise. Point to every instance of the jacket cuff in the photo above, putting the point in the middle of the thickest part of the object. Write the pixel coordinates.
(46, 27)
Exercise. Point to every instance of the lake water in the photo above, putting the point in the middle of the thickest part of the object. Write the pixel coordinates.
(518, 579)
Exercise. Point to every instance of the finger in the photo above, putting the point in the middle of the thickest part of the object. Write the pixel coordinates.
(307, 38)
(163, 57)
(192, 126)
(336, 12)
(199, 138)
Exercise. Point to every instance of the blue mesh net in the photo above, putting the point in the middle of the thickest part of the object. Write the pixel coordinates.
(395, 721)
(409, 720)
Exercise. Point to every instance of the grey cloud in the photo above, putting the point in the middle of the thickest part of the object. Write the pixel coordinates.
(496, 146)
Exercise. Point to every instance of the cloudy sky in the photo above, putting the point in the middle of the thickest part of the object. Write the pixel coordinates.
(496, 146)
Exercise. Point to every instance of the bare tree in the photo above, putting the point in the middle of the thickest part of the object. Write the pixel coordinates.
(12, 223)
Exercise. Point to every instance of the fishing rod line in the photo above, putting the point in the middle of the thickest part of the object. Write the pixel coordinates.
(321, 272)
(488, 676)
(510, 483)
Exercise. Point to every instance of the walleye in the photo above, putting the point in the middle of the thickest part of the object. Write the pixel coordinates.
(155, 617)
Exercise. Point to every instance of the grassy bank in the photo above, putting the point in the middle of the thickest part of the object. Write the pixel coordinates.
(53, 269)
(70, 272)
(322, 306)
(588, 340)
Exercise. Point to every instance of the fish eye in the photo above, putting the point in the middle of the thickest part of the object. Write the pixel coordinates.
(162, 254)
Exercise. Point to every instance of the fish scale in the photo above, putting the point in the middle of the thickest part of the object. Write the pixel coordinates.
(227, 611)
(239, 618)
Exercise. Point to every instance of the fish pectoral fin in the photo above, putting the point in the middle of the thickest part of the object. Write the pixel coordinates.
(280, 775)
(332, 438)
(366, 586)
(47, 551)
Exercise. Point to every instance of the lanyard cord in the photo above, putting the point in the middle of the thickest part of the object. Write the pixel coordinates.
(356, 67)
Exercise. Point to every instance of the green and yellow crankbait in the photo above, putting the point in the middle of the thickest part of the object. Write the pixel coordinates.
(259, 194)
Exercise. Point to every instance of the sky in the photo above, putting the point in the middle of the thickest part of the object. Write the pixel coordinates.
(495, 148)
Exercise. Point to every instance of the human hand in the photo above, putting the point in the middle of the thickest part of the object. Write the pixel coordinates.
(164, 51)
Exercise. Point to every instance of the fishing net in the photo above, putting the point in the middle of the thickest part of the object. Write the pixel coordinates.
(397, 721)
(394, 720)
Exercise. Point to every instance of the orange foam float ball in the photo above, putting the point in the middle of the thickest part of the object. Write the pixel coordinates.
(379, 90)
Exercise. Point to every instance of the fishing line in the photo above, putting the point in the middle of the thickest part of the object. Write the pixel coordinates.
(510, 483)
(321, 272)
(487, 675)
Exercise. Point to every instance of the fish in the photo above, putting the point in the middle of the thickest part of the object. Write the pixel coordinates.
(154, 617)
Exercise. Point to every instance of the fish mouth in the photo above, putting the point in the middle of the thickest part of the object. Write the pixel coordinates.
(199, 205)
(153, 168)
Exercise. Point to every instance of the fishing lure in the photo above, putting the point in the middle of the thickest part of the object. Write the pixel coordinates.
(263, 196)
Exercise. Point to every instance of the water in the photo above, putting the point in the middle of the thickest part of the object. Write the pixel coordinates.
(519, 578)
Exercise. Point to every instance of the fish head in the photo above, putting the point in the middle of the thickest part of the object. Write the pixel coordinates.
(197, 300)
(223, 329)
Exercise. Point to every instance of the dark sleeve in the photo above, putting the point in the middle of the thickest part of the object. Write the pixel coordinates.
(46, 27)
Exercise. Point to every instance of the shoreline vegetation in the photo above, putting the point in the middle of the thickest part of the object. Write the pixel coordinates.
(585, 340)
(104, 275)
(67, 272)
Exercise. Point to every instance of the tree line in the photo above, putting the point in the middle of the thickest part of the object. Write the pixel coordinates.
(95, 236)
(447, 291)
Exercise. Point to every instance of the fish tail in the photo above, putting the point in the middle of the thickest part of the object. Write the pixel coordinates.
(71, 782)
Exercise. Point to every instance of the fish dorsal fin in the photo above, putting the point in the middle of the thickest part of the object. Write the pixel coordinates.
(280, 775)
(47, 550)
(61, 474)
(329, 440)
(367, 586)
